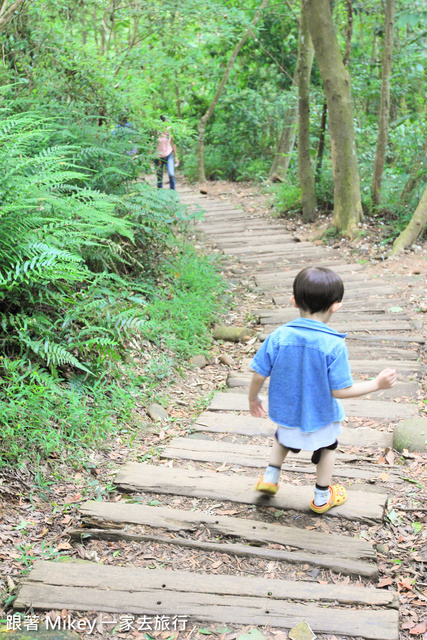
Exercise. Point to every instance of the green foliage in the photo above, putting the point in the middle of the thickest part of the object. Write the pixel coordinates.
(286, 197)
(84, 272)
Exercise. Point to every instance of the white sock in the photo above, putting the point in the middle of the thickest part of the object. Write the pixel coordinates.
(272, 474)
(321, 496)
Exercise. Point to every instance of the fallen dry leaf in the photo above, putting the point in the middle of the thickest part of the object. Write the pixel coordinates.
(418, 629)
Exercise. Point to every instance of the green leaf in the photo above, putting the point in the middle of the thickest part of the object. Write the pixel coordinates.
(417, 526)
(395, 309)
(394, 517)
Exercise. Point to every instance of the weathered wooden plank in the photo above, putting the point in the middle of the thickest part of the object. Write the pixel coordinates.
(239, 383)
(203, 597)
(375, 290)
(217, 486)
(353, 407)
(331, 563)
(284, 315)
(340, 267)
(401, 392)
(246, 228)
(313, 543)
(247, 455)
(284, 257)
(288, 249)
(395, 338)
(344, 326)
(359, 365)
(372, 304)
(214, 422)
(256, 240)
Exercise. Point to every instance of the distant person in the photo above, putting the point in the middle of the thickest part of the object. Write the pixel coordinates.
(165, 151)
(309, 371)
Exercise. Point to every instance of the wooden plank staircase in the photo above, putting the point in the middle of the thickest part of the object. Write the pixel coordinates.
(226, 434)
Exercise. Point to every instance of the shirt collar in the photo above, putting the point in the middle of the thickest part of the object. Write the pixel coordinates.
(316, 325)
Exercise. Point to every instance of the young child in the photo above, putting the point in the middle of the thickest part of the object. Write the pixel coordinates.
(307, 362)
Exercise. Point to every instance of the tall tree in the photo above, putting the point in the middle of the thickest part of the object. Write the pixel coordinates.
(336, 81)
(282, 157)
(204, 119)
(417, 171)
(305, 167)
(384, 104)
(415, 227)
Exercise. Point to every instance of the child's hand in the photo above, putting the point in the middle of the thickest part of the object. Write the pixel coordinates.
(256, 408)
(386, 379)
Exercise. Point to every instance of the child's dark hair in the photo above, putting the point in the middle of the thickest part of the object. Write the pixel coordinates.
(317, 288)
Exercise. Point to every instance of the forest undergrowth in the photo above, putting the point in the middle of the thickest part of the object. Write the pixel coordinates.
(96, 275)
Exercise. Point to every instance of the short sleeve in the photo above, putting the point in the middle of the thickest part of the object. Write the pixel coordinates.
(339, 373)
(264, 358)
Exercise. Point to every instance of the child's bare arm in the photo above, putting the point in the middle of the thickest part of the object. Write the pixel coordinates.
(384, 380)
(255, 402)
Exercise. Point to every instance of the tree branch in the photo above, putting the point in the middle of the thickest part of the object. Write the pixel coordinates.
(7, 15)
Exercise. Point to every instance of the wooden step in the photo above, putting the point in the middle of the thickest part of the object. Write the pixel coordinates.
(403, 367)
(258, 239)
(352, 407)
(249, 455)
(290, 272)
(377, 289)
(214, 422)
(211, 598)
(274, 315)
(368, 507)
(350, 326)
(351, 556)
(371, 304)
(281, 258)
(403, 390)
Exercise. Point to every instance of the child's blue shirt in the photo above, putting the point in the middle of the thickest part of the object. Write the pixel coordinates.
(305, 360)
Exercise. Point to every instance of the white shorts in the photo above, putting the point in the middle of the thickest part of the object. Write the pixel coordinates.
(294, 438)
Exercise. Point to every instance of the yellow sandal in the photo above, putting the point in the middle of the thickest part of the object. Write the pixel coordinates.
(338, 497)
(269, 488)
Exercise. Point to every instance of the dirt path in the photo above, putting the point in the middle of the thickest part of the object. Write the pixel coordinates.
(186, 542)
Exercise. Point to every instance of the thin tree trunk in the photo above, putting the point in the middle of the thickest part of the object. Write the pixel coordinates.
(322, 134)
(417, 171)
(415, 228)
(207, 115)
(336, 81)
(305, 168)
(347, 52)
(7, 13)
(346, 60)
(384, 105)
(282, 157)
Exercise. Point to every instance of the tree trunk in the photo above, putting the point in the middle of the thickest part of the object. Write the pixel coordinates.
(417, 171)
(384, 105)
(346, 60)
(7, 13)
(415, 227)
(321, 149)
(282, 158)
(336, 81)
(204, 119)
(305, 168)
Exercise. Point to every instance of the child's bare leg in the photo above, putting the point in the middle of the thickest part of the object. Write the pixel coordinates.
(325, 467)
(278, 454)
(269, 483)
(326, 495)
